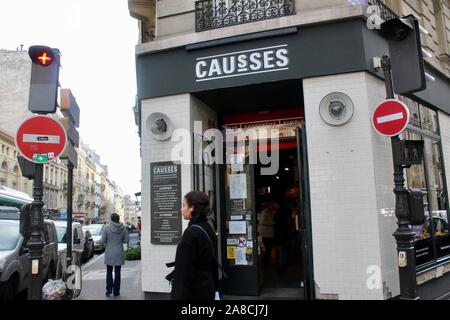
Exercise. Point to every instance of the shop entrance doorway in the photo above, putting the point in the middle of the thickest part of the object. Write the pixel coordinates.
(278, 205)
(263, 231)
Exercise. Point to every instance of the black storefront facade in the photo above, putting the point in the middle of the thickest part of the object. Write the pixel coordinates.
(277, 79)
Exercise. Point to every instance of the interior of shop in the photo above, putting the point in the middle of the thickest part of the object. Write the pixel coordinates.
(278, 221)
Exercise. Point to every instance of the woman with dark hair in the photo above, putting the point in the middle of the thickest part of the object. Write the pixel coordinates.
(196, 268)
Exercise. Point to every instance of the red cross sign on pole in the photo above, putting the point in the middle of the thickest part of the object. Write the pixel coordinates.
(41, 139)
(390, 118)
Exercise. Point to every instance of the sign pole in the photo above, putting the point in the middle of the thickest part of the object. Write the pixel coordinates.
(69, 217)
(36, 244)
(404, 236)
(69, 211)
(39, 139)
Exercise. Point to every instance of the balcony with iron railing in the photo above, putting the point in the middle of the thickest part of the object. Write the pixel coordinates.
(381, 9)
(214, 14)
(211, 14)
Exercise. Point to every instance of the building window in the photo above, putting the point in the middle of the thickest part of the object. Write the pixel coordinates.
(442, 33)
(7, 151)
(16, 170)
(432, 238)
(3, 183)
(4, 166)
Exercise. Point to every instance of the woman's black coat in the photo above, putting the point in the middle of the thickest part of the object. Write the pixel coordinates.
(196, 271)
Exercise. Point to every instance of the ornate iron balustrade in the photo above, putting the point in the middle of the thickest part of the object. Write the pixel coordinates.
(384, 12)
(210, 14)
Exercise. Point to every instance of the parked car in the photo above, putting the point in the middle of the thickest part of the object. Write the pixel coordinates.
(14, 257)
(77, 245)
(96, 231)
(88, 251)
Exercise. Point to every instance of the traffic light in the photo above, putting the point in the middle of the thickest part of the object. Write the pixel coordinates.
(403, 35)
(416, 207)
(44, 79)
(408, 153)
(70, 122)
(27, 168)
(412, 152)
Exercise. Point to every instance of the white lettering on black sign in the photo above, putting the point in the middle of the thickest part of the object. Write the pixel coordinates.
(165, 195)
(242, 63)
(165, 169)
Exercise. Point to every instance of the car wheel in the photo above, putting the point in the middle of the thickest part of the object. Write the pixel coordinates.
(9, 291)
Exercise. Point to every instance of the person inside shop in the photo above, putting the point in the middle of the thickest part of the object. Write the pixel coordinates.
(282, 234)
(266, 230)
(195, 276)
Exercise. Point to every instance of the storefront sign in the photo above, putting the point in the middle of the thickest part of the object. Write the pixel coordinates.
(165, 186)
(285, 127)
(242, 63)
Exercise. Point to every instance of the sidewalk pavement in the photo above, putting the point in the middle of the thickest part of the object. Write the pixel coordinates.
(94, 281)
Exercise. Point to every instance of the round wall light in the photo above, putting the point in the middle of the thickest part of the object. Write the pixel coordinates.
(336, 108)
(160, 126)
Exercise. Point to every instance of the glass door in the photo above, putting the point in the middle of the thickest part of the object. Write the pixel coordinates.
(305, 205)
(238, 223)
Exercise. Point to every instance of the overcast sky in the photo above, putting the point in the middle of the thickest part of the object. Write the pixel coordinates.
(96, 39)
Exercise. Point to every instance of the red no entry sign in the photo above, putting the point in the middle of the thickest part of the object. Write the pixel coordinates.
(390, 118)
(41, 139)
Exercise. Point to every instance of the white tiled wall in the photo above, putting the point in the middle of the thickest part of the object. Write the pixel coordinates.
(154, 257)
(182, 110)
(351, 181)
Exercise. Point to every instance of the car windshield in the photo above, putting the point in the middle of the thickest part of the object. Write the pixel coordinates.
(9, 235)
(95, 231)
(61, 231)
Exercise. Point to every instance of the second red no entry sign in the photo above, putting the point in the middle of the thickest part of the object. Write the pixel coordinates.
(390, 118)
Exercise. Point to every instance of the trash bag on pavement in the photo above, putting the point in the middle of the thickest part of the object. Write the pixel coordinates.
(54, 290)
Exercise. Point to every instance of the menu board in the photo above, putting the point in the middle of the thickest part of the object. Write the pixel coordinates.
(165, 189)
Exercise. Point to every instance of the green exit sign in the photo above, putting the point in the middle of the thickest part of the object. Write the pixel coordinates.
(40, 158)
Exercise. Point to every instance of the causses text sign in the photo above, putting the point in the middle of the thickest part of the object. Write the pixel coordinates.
(242, 63)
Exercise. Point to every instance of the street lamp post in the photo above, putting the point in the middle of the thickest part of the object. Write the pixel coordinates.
(35, 245)
(404, 236)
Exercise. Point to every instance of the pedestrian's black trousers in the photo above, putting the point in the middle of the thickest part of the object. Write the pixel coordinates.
(110, 284)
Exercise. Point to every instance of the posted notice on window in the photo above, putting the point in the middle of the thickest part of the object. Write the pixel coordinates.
(238, 186)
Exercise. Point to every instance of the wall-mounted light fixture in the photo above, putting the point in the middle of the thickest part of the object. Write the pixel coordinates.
(160, 126)
(336, 108)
